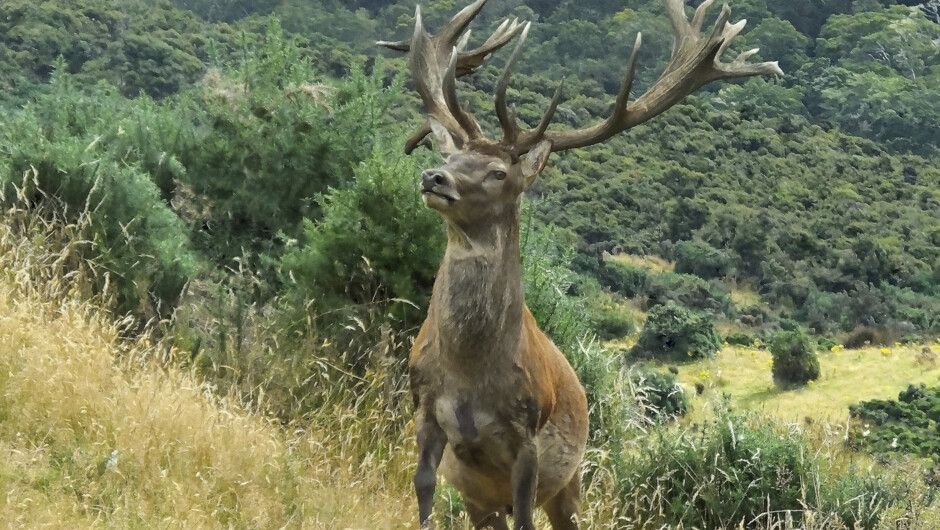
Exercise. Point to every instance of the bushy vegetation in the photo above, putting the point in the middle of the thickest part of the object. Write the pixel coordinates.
(910, 424)
(660, 396)
(674, 333)
(794, 359)
(229, 175)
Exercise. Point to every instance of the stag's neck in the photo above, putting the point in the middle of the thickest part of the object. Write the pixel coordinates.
(478, 301)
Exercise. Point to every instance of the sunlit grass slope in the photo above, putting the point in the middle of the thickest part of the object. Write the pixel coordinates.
(848, 376)
(95, 432)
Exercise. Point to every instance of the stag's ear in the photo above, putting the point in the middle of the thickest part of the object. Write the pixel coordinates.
(445, 142)
(535, 161)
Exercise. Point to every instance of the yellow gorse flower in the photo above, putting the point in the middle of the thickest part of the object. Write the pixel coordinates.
(885, 351)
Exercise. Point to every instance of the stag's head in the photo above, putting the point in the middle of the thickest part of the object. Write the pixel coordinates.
(480, 180)
(482, 177)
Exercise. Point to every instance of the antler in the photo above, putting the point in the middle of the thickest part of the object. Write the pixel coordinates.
(437, 61)
(695, 62)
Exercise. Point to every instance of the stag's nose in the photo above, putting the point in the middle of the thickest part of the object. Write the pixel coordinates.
(433, 177)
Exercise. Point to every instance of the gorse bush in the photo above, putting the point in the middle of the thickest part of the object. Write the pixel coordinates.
(740, 339)
(910, 424)
(701, 259)
(376, 241)
(627, 280)
(661, 398)
(548, 283)
(673, 332)
(733, 471)
(60, 149)
(688, 290)
(794, 359)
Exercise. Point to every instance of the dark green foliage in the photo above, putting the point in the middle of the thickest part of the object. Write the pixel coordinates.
(863, 336)
(547, 280)
(63, 148)
(743, 468)
(740, 339)
(273, 137)
(701, 259)
(825, 344)
(859, 500)
(135, 45)
(627, 280)
(611, 323)
(375, 241)
(673, 332)
(660, 396)
(689, 291)
(795, 361)
(910, 424)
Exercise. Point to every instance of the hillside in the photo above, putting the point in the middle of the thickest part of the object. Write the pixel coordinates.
(215, 262)
(98, 431)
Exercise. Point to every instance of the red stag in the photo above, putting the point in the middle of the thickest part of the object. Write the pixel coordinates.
(499, 410)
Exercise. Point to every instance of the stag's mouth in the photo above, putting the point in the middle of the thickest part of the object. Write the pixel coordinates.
(432, 195)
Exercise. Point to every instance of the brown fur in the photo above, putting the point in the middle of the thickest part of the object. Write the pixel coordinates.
(498, 407)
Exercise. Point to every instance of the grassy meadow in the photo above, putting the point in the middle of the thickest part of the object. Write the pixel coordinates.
(103, 426)
(848, 376)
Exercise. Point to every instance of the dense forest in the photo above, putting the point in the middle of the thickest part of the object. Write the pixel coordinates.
(820, 190)
(235, 172)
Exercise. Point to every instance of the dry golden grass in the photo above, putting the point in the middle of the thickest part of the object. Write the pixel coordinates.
(96, 430)
(848, 376)
(652, 263)
(742, 294)
(101, 428)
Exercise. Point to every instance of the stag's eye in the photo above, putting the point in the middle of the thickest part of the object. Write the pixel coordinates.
(498, 175)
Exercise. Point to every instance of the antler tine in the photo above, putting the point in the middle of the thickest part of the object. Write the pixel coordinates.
(436, 61)
(460, 21)
(507, 121)
(418, 138)
(699, 16)
(620, 106)
(466, 121)
(470, 61)
(550, 113)
(695, 61)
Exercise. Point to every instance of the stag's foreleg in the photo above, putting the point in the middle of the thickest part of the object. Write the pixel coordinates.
(431, 442)
(524, 480)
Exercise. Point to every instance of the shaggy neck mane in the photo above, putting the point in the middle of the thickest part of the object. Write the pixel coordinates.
(478, 300)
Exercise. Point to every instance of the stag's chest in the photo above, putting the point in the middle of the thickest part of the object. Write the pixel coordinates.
(479, 432)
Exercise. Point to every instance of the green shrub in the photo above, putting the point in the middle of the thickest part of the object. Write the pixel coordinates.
(866, 336)
(375, 242)
(860, 500)
(826, 344)
(740, 339)
(660, 396)
(673, 332)
(734, 469)
(58, 150)
(547, 281)
(701, 259)
(612, 323)
(626, 280)
(910, 424)
(690, 291)
(795, 362)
